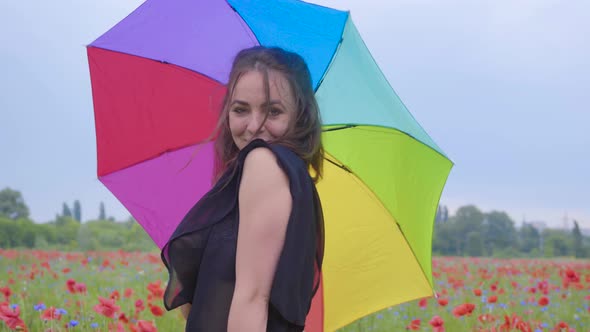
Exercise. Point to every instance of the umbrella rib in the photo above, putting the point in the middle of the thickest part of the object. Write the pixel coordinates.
(342, 166)
(339, 128)
(244, 24)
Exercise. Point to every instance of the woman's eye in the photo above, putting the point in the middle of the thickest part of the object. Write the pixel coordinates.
(238, 110)
(275, 112)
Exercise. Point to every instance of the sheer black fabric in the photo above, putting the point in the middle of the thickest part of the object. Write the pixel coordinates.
(201, 254)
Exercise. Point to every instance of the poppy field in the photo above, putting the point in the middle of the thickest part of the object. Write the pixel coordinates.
(122, 291)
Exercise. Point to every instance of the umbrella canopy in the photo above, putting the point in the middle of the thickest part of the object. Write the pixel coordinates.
(158, 78)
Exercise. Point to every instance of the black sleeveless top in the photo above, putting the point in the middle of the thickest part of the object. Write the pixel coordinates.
(201, 253)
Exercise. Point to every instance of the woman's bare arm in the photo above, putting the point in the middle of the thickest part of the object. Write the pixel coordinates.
(185, 309)
(265, 205)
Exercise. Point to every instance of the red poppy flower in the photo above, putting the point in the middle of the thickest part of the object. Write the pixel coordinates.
(115, 295)
(118, 327)
(6, 291)
(80, 288)
(414, 325)
(486, 318)
(139, 307)
(12, 317)
(493, 299)
(128, 292)
(106, 307)
(494, 287)
(477, 292)
(523, 326)
(155, 288)
(70, 284)
(570, 276)
(463, 309)
(437, 324)
(156, 310)
(145, 326)
(443, 302)
(561, 327)
(50, 314)
(543, 301)
(123, 318)
(423, 303)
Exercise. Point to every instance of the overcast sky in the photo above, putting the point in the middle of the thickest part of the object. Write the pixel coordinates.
(502, 87)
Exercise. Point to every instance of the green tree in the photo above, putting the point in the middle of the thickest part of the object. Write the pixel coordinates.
(17, 234)
(66, 231)
(468, 219)
(556, 243)
(438, 216)
(102, 215)
(445, 239)
(474, 245)
(65, 210)
(499, 232)
(12, 204)
(77, 211)
(530, 239)
(577, 239)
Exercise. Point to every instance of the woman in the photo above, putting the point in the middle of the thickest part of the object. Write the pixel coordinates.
(247, 256)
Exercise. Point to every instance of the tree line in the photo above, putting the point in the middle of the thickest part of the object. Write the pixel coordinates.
(470, 232)
(66, 231)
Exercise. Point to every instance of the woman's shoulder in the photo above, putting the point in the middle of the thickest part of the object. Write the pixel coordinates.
(290, 163)
(285, 157)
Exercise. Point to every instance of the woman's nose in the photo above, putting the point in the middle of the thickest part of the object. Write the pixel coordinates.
(256, 120)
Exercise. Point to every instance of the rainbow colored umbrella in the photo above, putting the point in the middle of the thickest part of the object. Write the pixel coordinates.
(158, 77)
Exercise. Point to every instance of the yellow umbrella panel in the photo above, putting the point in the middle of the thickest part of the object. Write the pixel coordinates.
(379, 194)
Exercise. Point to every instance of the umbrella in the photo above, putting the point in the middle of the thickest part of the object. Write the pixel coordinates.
(157, 79)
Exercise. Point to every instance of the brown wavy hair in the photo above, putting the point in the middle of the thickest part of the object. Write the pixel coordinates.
(303, 135)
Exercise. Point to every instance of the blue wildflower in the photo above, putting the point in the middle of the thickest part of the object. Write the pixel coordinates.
(73, 322)
(94, 325)
(39, 307)
(13, 306)
(61, 311)
(379, 316)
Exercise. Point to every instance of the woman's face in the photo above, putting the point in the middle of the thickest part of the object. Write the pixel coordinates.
(247, 111)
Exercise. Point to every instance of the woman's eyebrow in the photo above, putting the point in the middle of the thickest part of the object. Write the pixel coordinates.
(272, 102)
